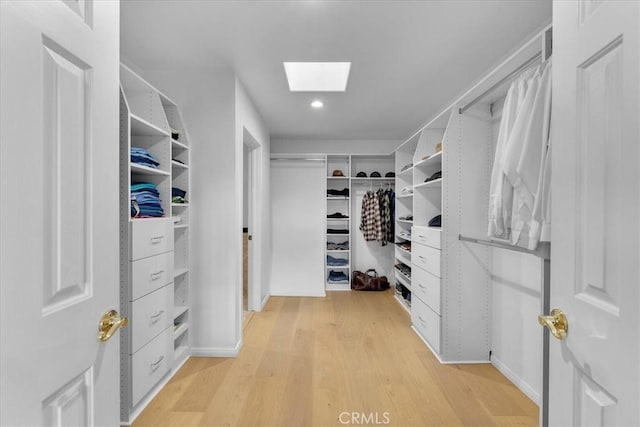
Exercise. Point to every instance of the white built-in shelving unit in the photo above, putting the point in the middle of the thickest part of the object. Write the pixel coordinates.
(450, 283)
(341, 205)
(350, 165)
(154, 288)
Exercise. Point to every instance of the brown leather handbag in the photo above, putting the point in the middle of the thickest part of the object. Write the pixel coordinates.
(369, 281)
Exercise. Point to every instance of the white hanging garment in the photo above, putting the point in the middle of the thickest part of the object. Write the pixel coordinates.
(501, 190)
(524, 162)
(540, 226)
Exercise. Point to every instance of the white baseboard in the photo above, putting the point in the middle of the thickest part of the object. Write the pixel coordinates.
(216, 351)
(265, 300)
(516, 380)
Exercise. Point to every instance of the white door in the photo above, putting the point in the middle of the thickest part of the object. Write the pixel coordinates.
(595, 280)
(59, 212)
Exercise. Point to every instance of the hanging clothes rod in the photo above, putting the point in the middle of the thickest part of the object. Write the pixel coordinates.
(515, 73)
(543, 251)
(293, 158)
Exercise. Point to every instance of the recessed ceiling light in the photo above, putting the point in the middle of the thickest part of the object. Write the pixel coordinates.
(317, 76)
(317, 104)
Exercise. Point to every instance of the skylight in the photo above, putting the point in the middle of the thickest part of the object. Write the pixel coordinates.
(317, 76)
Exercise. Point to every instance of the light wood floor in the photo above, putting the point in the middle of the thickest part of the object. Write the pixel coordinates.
(306, 361)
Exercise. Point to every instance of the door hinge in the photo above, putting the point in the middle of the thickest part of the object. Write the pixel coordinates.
(250, 237)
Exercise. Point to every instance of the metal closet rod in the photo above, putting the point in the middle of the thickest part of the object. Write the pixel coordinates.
(296, 158)
(543, 251)
(507, 78)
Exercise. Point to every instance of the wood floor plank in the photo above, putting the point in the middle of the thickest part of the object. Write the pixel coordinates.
(320, 361)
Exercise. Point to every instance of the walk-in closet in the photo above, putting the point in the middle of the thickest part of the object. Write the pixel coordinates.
(319, 213)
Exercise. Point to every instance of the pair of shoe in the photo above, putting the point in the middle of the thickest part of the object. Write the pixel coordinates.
(333, 192)
(337, 231)
(337, 215)
(433, 177)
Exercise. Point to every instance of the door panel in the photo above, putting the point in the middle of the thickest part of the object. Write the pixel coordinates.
(600, 179)
(59, 162)
(66, 91)
(596, 212)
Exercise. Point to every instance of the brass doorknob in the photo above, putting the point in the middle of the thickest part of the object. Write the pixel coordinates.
(110, 322)
(556, 322)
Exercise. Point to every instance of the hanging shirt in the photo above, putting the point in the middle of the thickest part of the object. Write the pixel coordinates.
(533, 168)
(385, 215)
(523, 161)
(392, 209)
(500, 190)
(370, 224)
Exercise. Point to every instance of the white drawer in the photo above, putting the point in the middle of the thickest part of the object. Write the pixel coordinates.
(426, 258)
(150, 364)
(426, 286)
(150, 315)
(429, 236)
(150, 236)
(427, 323)
(151, 273)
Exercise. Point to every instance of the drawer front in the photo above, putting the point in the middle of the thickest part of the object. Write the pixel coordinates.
(151, 273)
(426, 286)
(150, 315)
(150, 364)
(426, 258)
(427, 322)
(429, 236)
(150, 236)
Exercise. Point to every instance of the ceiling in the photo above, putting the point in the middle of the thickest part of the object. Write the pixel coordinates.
(409, 58)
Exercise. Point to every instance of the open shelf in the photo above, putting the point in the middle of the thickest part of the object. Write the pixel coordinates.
(179, 311)
(141, 127)
(331, 286)
(146, 170)
(180, 330)
(436, 183)
(403, 278)
(180, 271)
(179, 165)
(434, 159)
(178, 144)
(390, 179)
(404, 252)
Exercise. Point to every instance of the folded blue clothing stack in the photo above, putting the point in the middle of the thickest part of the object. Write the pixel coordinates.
(337, 277)
(142, 157)
(335, 261)
(145, 201)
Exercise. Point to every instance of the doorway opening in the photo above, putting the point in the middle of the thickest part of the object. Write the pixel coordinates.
(249, 225)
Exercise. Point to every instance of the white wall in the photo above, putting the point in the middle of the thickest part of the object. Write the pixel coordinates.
(248, 119)
(215, 109)
(516, 337)
(298, 210)
(334, 147)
